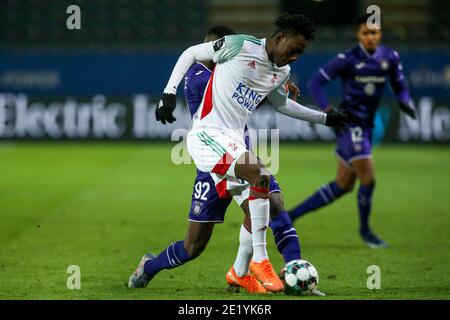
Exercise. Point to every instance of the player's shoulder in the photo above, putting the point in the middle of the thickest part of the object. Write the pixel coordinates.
(251, 39)
(246, 41)
(350, 53)
(389, 52)
(347, 55)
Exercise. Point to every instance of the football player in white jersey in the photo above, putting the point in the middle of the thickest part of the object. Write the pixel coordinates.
(247, 71)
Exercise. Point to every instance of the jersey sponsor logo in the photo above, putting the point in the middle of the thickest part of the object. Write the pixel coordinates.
(372, 79)
(219, 44)
(246, 97)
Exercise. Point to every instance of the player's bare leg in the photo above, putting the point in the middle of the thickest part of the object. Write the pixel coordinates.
(197, 237)
(345, 176)
(365, 172)
(249, 168)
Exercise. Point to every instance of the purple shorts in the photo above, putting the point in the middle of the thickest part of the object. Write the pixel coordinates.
(353, 143)
(207, 205)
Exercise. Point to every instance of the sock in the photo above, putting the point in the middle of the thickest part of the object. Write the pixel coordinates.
(258, 203)
(325, 195)
(245, 251)
(173, 256)
(364, 205)
(285, 236)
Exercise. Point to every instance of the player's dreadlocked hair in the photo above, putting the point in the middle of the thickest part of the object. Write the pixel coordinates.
(220, 31)
(296, 24)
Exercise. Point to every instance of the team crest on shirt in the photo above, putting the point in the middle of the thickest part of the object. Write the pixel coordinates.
(219, 44)
(384, 65)
(233, 146)
(274, 78)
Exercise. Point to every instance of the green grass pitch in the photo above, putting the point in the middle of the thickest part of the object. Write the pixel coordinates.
(101, 206)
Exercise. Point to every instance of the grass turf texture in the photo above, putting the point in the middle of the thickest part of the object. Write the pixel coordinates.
(102, 206)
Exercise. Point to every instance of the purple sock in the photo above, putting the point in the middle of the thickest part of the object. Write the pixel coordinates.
(173, 256)
(325, 195)
(285, 236)
(364, 205)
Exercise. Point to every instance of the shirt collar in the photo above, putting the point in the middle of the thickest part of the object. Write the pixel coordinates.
(366, 52)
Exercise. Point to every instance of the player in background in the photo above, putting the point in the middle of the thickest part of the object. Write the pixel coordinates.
(208, 205)
(364, 71)
(247, 71)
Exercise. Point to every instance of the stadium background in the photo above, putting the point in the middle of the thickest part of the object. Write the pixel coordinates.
(103, 81)
(101, 205)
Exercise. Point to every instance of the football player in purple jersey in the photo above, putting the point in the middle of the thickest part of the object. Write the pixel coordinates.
(363, 71)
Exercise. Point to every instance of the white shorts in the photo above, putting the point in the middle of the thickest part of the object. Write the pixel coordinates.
(214, 151)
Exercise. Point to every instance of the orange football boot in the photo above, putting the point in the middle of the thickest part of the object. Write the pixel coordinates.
(266, 274)
(248, 282)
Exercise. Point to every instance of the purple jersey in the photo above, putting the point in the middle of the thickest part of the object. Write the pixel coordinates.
(195, 82)
(363, 79)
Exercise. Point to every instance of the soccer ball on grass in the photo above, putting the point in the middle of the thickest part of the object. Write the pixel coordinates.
(299, 277)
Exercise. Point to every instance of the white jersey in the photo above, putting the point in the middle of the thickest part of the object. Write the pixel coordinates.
(242, 78)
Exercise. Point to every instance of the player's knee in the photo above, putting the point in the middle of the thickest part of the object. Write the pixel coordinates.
(262, 181)
(367, 180)
(346, 184)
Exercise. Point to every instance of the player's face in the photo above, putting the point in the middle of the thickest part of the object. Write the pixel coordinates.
(288, 48)
(369, 38)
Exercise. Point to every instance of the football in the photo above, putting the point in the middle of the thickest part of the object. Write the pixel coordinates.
(299, 277)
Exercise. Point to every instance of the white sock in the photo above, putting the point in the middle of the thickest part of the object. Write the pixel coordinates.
(259, 212)
(244, 254)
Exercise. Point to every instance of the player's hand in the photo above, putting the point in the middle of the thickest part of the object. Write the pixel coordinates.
(336, 118)
(408, 109)
(294, 91)
(164, 109)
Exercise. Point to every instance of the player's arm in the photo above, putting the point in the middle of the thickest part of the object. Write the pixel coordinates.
(282, 104)
(217, 51)
(325, 75)
(400, 88)
(167, 104)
